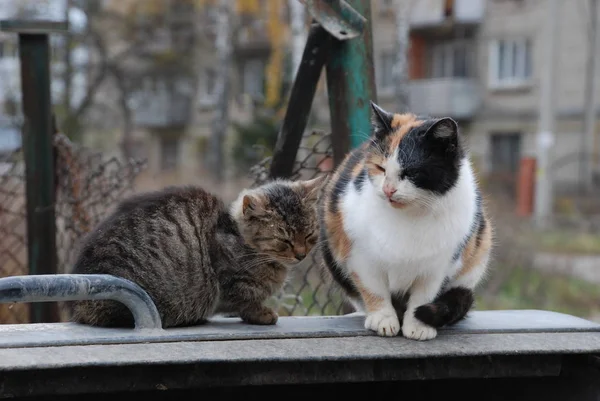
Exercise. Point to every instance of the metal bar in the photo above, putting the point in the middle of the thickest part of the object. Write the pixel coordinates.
(315, 54)
(337, 17)
(33, 26)
(73, 287)
(34, 52)
(351, 85)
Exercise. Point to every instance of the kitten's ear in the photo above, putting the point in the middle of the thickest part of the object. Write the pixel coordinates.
(444, 128)
(381, 121)
(312, 187)
(250, 204)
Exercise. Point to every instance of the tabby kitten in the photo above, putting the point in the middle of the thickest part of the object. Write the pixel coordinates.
(195, 257)
(403, 227)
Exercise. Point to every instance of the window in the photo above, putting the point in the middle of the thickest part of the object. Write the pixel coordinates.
(207, 95)
(505, 149)
(450, 59)
(169, 152)
(253, 78)
(386, 70)
(510, 63)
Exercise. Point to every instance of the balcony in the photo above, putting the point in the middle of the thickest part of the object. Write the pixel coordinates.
(162, 108)
(427, 14)
(454, 97)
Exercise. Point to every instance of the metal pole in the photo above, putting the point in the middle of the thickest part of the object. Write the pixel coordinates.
(301, 98)
(350, 85)
(34, 54)
(545, 136)
(589, 124)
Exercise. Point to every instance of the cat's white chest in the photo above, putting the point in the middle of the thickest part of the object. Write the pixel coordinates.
(399, 245)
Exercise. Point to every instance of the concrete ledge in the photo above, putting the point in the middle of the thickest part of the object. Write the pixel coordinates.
(220, 329)
(299, 351)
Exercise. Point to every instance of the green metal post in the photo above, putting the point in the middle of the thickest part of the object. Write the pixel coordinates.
(351, 85)
(34, 53)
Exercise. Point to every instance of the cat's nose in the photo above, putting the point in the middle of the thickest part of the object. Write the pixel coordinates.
(389, 191)
(300, 256)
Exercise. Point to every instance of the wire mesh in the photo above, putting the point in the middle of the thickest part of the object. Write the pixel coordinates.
(88, 184)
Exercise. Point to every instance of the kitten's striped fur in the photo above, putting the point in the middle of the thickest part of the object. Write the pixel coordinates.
(195, 257)
(404, 230)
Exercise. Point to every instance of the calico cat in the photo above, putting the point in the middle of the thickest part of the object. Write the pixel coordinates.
(195, 257)
(404, 231)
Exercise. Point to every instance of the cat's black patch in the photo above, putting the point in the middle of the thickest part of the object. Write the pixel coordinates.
(430, 156)
(448, 308)
(359, 180)
(344, 179)
(381, 121)
(478, 226)
(482, 225)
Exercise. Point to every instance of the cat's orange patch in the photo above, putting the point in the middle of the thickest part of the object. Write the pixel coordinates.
(372, 302)
(339, 242)
(473, 254)
(401, 119)
(373, 160)
(401, 124)
(357, 169)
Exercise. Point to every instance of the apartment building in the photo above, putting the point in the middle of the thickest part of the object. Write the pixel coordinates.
(10, 75)
(480, 62)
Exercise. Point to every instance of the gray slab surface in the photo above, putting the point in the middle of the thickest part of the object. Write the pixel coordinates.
(298, 350)
(222, 329)
(74, 359)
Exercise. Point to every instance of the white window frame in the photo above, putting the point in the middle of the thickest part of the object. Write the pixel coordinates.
(446, 53)
(253, 74)
(520, 78)
(208, 95)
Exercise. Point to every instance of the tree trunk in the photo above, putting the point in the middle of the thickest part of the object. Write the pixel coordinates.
(222, 87)
(400, 70)
(298, 33)
(589, 119)
(68, 74)
(126, 144)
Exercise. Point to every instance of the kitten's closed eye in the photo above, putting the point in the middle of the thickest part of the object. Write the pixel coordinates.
(311, 238)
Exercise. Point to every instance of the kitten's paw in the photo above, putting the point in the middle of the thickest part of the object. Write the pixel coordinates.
(416, 330)
(262, 316)
(384, 322)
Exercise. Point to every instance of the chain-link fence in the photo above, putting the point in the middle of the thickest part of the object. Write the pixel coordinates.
(88, 184)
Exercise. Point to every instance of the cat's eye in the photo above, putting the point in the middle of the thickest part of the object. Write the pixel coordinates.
(286, 242)
(312, 237)
(380, 168)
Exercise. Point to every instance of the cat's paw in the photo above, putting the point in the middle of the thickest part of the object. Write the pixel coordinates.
(385, 323)
(416, 330)
(262, 316)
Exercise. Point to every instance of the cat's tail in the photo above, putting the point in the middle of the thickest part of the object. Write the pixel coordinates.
(448, 308)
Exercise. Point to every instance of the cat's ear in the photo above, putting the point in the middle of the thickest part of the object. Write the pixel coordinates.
(381, 121)
(444, 128)
(312, 187)
(251, 204)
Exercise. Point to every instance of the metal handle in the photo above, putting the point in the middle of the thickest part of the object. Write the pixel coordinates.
(78, 287)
